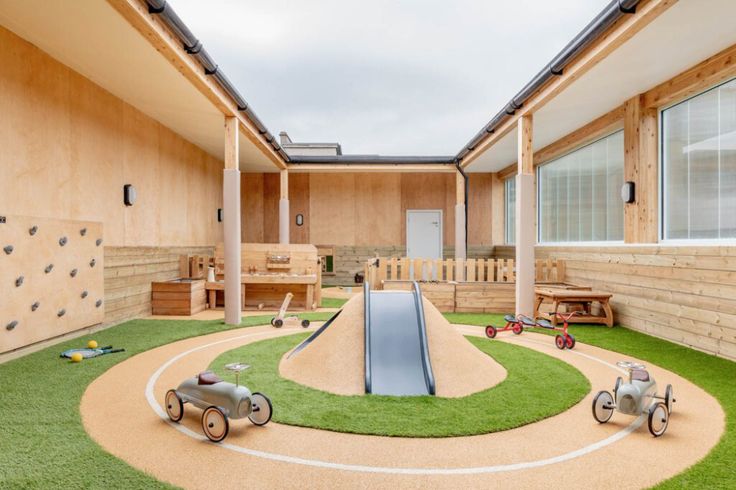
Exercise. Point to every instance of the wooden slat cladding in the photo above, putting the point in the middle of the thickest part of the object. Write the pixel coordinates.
(684, 294)
(129, 272)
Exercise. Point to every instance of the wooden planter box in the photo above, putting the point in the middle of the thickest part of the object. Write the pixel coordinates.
(178, 297)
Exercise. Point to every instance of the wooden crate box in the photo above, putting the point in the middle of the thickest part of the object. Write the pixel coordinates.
(178, 297)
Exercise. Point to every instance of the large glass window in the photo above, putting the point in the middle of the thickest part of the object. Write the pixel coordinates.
(580, 194)
(510, 210)
(699, 166)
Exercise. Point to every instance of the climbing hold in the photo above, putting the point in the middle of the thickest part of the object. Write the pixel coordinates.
(83, 231)
(32, 230)
(62, 241)
(98, 242)
(98, 303)
(49, 268)
(73, 273)
(35, 306)
(8, 249)
(19, 281)
(61, 313)
(11, 325)
(84, 294)
(92, 262)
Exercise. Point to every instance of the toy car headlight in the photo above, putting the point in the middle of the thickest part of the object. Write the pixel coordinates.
(244, 407)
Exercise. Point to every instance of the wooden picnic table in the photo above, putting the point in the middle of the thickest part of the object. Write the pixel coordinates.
(559, 297)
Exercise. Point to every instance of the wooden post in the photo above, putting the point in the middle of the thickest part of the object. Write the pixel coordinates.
(284, 208)
(640, 167)
(525, 218)
(231, 210)
(460, 252)
(498, 211)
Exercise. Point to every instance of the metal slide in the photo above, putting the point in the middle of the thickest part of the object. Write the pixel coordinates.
(396, 353)
(316, 334)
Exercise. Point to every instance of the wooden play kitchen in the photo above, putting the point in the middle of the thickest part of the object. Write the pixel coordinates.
(573, 300)
(269, 272)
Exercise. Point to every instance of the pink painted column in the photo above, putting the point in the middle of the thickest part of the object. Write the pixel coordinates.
(525, 239)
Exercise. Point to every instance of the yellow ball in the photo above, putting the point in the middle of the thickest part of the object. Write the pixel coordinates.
(92, 344)
(77, 357)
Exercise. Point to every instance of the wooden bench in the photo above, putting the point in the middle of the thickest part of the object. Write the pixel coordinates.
(560, 297)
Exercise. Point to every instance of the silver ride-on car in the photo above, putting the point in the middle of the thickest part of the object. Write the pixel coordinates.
(220, 401)
(638, 396)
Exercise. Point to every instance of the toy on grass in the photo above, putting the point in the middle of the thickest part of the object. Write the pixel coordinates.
(512, 323)
(220, 401)
(87, 353)
(280, 319)
(76, 357)
(92, 344)
(517, 324)
(637, 396)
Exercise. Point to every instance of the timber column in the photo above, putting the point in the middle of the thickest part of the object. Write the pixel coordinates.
(460, 252)
(284, 208)
(231, 209)
(525, 219)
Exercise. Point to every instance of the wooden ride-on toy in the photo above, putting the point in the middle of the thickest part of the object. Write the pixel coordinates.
(220, 401)
(280, 319)
(637, 396)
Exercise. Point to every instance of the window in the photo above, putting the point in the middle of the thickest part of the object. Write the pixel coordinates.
(510, 210)
(699, 166)
(580, 194)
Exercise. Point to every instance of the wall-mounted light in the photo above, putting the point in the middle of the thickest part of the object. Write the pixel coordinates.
(628, 192)
(129, 194)
(299, 219)
(219, 215)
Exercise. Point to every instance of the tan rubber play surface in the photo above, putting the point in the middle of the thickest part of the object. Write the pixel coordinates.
(569, 450)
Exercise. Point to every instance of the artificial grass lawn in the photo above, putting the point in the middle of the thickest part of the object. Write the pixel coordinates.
(333, 302)
(42, 441)
(523, 397)
(715, 375)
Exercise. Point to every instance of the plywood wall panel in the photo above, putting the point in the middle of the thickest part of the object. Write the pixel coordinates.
(67, 147)
(377, 209)
(251, 212)
(430, 191)
(332, 208)
(479, 210)
(299, 203)
(271, 196)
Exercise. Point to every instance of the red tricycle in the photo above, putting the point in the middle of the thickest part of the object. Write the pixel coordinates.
(517, 324)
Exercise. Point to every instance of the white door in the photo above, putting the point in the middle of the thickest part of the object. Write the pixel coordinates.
(424, 233)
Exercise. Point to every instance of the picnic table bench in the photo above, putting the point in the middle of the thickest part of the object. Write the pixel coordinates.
(585, 299)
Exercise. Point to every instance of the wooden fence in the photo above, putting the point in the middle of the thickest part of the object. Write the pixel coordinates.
(380, 269)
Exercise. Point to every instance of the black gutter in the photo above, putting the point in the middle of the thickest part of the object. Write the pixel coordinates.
(597, 27)
(195, 49)
(371, 159)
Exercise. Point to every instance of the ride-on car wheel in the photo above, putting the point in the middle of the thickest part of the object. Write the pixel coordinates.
(603, 407)
(570, 341)
(560, 342)
(619, 382)
(277, 322)
(174, 406)
(305, 323)
(659, 418)
(491, 332)
(214, 424)
(517, 328)
(669, 398)
(262, 409)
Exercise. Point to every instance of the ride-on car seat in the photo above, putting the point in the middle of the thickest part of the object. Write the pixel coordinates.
(208, 378)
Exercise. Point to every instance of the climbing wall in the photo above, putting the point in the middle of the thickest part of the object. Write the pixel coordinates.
(51, 278)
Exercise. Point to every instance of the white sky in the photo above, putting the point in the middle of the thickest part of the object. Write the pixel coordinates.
(410, 77)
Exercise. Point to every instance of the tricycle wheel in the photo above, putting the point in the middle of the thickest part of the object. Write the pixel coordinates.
(261, 410)
(659, 418)
(277, 322)
(491, 332)
(570, 341)
(560, 342)
(214, 424)
(305, 323)
(602, 407)
(669, 398)
(174, 406)
(517, 328)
